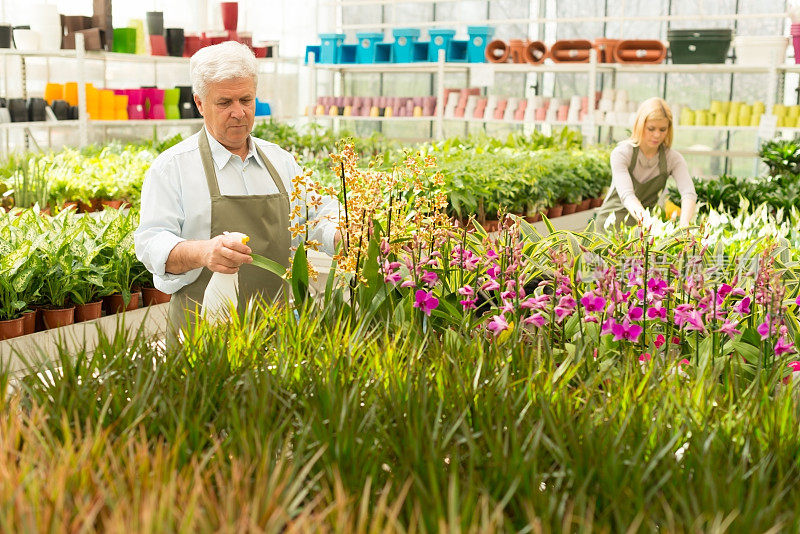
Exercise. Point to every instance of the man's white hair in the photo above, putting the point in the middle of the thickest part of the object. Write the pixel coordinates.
(220, 62)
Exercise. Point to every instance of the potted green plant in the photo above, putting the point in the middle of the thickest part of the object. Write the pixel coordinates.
(123, 267)
(12, 277)
(91, 280)
(61, 274)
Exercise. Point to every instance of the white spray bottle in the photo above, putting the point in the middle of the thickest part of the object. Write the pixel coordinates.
(221, 296)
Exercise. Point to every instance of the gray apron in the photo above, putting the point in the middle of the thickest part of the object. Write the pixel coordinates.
(647, 193)
(265, 218)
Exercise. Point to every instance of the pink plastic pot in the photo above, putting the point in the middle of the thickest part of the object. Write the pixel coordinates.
(541, 113)
(191, 44)
(796, 44)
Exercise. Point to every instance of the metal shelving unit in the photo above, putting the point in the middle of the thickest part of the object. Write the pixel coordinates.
(81, 57)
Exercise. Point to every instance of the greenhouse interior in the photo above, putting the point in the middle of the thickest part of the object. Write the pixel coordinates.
(400, 266)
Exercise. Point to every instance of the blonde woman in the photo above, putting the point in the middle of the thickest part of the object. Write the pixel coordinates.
(640, 167)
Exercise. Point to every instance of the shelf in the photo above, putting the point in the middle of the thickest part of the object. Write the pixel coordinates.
(360, 118)
(148, 122)
(39, 124)
(700, 68)
(98, 55)
(389, 68)
(528, 68)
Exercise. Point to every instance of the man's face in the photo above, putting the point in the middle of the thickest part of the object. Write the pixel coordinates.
(229, 111)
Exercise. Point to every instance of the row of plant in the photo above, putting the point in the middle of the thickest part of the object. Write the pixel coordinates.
(446, 380)
(524, 174)
(779, 189)
(85, 178)
(55, 264)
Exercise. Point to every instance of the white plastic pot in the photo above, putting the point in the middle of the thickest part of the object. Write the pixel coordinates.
(760, 50)
(26, 39)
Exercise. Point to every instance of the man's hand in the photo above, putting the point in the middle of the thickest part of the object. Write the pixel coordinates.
(225, 254)
(222, 254)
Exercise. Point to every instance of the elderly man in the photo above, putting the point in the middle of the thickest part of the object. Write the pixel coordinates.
(221, 179)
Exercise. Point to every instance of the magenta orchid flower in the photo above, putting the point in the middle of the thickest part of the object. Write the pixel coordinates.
(626, 331)
(593, 303)
(657, 312)
(763, 329)
(508, 295)
(635, 313)
(694, 321)
(644, 357)
(743, 306)
(659, 341)
(783, 346)
(491, 254)
(497, 324)
(425, 301)
(493, 271)
(608, 326)
(797, 301)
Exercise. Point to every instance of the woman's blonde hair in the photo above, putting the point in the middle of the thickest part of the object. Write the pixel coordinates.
(652, 109)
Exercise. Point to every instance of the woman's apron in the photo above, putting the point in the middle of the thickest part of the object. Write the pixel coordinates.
(265, 218)
(647, 193)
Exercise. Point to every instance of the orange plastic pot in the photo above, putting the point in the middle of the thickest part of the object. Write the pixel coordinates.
(497, 51)
(11, 328)
(152, 296)
(88, 311)
(58, 317)
(571, 51)
(517, 49)
(605, 49)
(640, 51)
(535, 52)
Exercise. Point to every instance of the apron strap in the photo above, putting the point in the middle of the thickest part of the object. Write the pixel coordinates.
(662, 162)
(211, 173)
(632, 164)
(208, 164)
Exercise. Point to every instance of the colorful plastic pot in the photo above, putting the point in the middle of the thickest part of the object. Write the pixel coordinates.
(230, 15)
(478, 39)
(171, 100)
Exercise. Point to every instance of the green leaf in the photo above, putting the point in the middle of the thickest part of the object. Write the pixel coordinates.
(269, 265)
(300, 275)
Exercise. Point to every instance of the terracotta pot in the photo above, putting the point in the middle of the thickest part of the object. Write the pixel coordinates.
(152, 296)
(116, 204)
(70, 205)
(29, 322)
(533, 218)
(585, 204)
(517, 48)
(640, 51)
(597, 202)
(571, 51)
(89, 311)
(535, 52)
(38, 322)
(497, 51)
(58, 317)
(605, 49)
(12, 328)
(570, 208)
(115, 304)
(555, 211)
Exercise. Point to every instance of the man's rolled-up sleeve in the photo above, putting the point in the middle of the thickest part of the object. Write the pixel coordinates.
(160, 226)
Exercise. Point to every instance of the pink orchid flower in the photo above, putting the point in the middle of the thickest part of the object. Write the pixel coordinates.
(659, 341)
(644, 357)
(763, 329)
(425, 301)
(491, 254)
(408, 283)
(468, 304)
(429, 277)
(508, 294)
(466, 291)
(537, 319)
(497, 324)
(393, 278)
(507, 307)
(490, 285)
(694, 321)
(493, 271)
(729, 328)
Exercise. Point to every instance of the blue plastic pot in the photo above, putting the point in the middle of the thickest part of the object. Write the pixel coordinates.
(479, 37)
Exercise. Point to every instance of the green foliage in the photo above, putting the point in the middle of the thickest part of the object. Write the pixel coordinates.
(781, 156)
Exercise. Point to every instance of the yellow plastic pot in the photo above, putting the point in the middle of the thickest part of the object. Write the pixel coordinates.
(672, 211)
